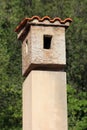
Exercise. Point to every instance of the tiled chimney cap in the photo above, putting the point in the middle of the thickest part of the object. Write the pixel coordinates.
(38, 20)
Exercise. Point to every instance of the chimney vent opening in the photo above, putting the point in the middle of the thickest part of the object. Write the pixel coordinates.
(47, 41)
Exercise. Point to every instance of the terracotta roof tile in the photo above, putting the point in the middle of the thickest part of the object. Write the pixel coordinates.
(24, 21)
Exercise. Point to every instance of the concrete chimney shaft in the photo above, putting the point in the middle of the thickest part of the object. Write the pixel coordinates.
(43, 61)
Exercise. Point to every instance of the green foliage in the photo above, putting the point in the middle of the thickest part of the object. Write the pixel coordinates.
(76, 54)
(10, 70)
(77, 109)
(11, 13)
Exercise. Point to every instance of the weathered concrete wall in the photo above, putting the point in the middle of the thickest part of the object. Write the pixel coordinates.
(54, 55)
(26, 53)
(44, 101)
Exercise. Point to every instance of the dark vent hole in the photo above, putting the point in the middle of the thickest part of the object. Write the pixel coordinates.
(47, 41)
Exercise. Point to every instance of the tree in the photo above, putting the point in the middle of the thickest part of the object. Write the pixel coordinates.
(77, 109)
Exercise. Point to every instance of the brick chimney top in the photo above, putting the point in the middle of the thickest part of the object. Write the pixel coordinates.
(43, 43)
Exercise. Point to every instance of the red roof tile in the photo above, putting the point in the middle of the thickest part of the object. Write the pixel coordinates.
(24, 21)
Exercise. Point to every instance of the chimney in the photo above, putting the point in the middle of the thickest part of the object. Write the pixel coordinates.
(43, 62)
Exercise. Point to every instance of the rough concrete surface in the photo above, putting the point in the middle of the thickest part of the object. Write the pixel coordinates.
(45, 101)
